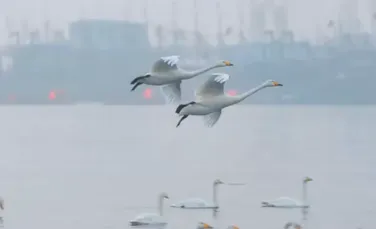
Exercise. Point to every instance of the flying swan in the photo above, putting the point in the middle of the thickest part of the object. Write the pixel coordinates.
(151, 219)
(211, 99)
(166, 73)
(198, 203)
(287, 202)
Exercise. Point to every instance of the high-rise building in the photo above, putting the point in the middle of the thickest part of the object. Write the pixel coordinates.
(257, 20)
(280, 19)
(349, 16)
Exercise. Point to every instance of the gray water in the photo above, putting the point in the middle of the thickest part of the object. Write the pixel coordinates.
(94, 167)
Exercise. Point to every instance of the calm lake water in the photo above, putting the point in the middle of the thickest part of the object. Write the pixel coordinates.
(97, 167)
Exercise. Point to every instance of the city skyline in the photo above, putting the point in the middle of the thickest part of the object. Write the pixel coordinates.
(307, 20)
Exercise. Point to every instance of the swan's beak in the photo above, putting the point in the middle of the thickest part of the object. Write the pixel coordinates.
(276, 84)
(228, 63)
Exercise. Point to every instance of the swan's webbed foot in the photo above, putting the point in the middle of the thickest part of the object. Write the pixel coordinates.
(135, 86)
(182, 118)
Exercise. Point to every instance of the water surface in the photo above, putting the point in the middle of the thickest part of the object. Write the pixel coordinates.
(91, 166)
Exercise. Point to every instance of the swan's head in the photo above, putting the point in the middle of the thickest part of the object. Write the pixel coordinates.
(224, 63)
(217, 182)
(272, 83)
(307, 179)
(164, 195)
(202, 225)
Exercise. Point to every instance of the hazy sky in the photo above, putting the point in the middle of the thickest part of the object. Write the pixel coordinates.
(306, 17)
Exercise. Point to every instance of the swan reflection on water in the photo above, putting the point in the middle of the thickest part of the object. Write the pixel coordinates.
(153, 220)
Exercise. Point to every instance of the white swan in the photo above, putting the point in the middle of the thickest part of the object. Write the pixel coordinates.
(198, 203)
(152, 219)
(287, 202)
(211, 99)
(166, 73)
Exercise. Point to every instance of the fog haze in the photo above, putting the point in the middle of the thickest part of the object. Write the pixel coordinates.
(307, 19)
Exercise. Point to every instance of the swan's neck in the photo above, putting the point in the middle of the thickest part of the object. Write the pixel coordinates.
(215, 201)
(160, 205)
(191, 74)
(250, 92)
(304, 195)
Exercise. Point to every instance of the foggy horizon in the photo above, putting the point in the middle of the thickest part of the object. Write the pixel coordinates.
(307, 20)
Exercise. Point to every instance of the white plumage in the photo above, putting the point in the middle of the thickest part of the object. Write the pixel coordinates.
(151, 219)
(165, 72)
(211, 99)
(287, 202)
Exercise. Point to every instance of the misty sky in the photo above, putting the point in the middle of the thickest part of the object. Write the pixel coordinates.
(307, 18)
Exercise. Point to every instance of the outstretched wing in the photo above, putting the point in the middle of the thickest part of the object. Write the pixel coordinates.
(165, 64)
(172, 92)
(212, 118)
(213, 86)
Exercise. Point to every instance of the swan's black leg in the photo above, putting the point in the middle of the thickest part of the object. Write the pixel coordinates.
(181, 106)
(136, 81)
(135, 86)
(182, 118)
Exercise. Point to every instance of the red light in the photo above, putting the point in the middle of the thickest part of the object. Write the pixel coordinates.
(52, 95)
(147, 93)
(232, 92)
(12, 98)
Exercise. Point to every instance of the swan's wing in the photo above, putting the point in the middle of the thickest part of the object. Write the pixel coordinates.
(212, 118)
(213, 86)
(172, 92)
(165, 64)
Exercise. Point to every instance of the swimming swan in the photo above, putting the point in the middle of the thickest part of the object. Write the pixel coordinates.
(166, 73)
(211, 99)
(287, 202)
(198, 203)
(151, 219)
